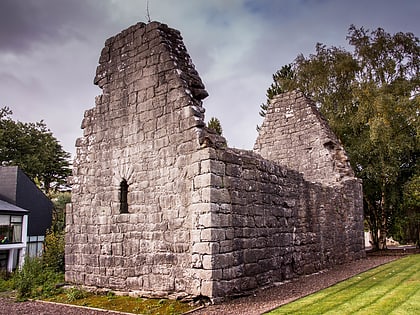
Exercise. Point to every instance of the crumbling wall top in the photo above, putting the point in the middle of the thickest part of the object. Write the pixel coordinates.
(142, 40)
(295, 134)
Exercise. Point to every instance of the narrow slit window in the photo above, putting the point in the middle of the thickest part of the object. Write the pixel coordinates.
(123, 196)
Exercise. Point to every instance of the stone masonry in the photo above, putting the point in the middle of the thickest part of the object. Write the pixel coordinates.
(294, 134)
(162, 207)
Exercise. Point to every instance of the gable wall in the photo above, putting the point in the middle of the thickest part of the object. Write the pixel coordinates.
(143, 129)
(29, 196)
(295, 134)
(17, 189)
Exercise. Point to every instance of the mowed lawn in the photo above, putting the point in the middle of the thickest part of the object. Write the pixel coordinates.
(393, 288)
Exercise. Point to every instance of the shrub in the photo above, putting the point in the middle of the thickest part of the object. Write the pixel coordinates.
(26, 279)
(74, 294)
(60, 199)
(53, 256)
(34, 280)
(39, 276)
(6, 281)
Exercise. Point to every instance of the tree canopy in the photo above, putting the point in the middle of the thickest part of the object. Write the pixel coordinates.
(371, 99)
(33, 148)
(214, 124)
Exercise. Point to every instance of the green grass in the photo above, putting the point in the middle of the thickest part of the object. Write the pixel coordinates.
(126, 304)
(393, 288)
(36, 281)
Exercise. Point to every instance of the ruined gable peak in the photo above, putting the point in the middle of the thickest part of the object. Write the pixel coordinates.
(296, 135)
(152, 52)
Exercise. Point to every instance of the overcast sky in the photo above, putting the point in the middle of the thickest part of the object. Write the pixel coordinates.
(49, 50)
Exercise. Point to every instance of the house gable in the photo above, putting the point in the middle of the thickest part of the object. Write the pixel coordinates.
(8, 183)
(17, 189)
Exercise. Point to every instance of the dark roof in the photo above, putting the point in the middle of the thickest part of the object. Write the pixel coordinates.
(8, 207)
(8, 183)
(18, 189)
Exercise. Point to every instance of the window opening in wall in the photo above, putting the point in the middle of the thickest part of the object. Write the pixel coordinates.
(123, 196)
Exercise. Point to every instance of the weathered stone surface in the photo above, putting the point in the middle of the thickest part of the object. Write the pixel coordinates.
(295, 134)
(202, 218)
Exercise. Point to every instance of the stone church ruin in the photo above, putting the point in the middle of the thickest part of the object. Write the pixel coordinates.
(162, 207)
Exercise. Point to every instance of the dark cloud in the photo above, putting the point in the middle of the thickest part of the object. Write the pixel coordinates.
(24, 23)
(49, 50)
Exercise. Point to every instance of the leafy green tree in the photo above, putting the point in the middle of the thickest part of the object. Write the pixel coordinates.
(371, 99)
(33, 148)
(283, 80)
(53, 255)
(409, 224)
(214, 124)
(59, 199)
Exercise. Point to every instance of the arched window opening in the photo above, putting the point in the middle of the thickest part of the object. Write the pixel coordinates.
(123, 196)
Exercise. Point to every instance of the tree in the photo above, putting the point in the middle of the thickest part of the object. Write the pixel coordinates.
(283, 80)
(53, 255)
(33, 148)
(371, 100)
(214, 124)
(409, 225)
(60, 199)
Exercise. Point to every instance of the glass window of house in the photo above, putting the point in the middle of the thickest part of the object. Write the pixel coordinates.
(10, 229)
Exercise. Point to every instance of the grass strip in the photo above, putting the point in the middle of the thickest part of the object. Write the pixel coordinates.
(391, 288)
(387, 292)
(363, 282)
(411, 304)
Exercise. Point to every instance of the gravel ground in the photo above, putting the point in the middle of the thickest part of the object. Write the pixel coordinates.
(10, 307)
(262, 301)
(266, 300)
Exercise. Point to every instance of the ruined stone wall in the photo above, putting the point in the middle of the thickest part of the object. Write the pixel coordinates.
(142, 130)
(266, 223)
(295, 134)
(200, 218)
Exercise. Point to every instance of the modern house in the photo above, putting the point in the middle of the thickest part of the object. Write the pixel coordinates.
(13, 241)
(25, 216)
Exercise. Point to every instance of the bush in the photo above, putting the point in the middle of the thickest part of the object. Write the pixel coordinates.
(39, 276)
(53, 256)
(60, 199)
(34, 280)
(6, 281)
(75, 293)
(25, 279)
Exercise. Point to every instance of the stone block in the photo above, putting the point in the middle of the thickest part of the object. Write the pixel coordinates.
(208, 262)
(203, 180)
(206, 235)
(207, 288)
(205, 220)
(221, 220)
(219, 195)
(212, 166)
